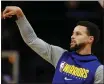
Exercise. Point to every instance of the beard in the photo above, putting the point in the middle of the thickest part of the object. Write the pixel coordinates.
(77, 46)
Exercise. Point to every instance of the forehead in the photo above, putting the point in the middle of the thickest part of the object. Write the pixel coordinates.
(80, 28)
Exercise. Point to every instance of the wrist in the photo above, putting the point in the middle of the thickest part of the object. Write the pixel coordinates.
(19, 13)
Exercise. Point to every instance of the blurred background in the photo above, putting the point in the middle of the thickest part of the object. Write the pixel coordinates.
(53, 21)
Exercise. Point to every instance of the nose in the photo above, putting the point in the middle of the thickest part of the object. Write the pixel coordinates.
(72, 37)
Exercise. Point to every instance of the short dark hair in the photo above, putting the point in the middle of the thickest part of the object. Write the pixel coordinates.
(92, 28)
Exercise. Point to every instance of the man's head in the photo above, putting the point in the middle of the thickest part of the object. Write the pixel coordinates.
(85, 33)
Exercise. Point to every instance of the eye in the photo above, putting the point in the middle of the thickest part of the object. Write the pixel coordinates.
(78, 33)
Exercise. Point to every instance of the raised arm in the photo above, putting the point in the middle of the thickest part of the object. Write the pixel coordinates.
(49, 52)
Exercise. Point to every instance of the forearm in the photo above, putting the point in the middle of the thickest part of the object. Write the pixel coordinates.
(31, 39)
(49, 52)
(26, 30)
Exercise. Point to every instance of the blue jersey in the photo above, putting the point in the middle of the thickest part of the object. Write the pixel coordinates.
(75, 69)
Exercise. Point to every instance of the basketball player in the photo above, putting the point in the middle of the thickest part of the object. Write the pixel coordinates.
(77, 67)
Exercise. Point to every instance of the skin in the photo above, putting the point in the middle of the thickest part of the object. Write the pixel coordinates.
(81, 42)
(101, 2)
(12, 10)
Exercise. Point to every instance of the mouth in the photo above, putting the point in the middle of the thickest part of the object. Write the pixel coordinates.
(72, 41)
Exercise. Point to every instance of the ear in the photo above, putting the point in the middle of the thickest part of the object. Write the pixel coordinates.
(91, 39)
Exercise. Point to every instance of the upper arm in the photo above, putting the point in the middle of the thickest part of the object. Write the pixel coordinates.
(56, 53)
(99, 78)
(48, 52)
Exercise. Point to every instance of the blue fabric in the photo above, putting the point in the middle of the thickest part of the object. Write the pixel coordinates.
(73, 68)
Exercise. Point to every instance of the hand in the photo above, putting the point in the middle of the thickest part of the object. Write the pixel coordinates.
(12, 10)
(101, 3)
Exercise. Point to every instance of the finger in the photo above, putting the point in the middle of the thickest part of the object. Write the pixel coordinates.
(7, 17)
(6, 10)
(8, 14)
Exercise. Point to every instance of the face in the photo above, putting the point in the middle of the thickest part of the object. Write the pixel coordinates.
(80, 38)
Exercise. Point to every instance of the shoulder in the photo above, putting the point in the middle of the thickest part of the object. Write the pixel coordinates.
(99, 74)
(65, 55)
(99, 69)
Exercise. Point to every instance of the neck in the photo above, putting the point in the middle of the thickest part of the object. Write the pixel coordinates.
(85, 50)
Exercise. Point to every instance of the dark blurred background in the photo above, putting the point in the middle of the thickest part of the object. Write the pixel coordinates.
(53, 21)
